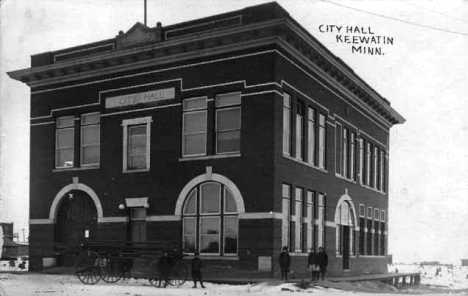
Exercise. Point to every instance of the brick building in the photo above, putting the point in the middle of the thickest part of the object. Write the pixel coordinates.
(233, 135)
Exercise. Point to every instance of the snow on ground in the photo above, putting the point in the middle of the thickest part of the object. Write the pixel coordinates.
(450, 282)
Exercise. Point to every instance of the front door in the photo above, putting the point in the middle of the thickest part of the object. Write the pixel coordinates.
(138, 225)
(346, 247)
(76, 222)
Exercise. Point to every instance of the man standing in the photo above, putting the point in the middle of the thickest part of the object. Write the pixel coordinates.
(196, 270)
(313, 266)
(322, 261)
(284, 262)
(164, 269)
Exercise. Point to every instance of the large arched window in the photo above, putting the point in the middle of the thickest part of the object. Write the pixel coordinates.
(345, 228)
(210, 220)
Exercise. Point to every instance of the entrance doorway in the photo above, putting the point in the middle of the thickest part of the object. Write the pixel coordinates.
(346, 242)
(76, 222)
(138, 225)
(345, 232)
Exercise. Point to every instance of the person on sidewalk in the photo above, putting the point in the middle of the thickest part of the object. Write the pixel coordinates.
(313, 266)
(284, 262)
(196, 270)
(164, 269)
(322, 261)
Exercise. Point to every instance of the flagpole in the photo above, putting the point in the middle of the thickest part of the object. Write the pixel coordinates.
(145, 12)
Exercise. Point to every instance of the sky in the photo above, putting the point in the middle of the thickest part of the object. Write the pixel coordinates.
(423, 73)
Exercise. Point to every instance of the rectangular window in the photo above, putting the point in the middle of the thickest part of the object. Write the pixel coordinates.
(286, 192)
(369, 236)
(300, 131)
(368, 163)
(64, 142)
(321, 218)
(352, 157)
(382, 238)
(362, 235)
(382, 170)
(377, 231)
(310, 221)
(361, 161)
(311, 136)
(228, 123)
(345, 152)
(322, 139)
(287, 124)
(90, 139)
(194, 121)
(299, 219)
(190, 232)
(376, 169)
(338, 147)
(136, 143)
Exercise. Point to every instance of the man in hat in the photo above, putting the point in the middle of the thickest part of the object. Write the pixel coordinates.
(284, 262)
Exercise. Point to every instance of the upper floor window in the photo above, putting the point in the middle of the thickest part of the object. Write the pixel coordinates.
(375, 171)
(64, 142)
(352, 157)
(90, 139)
(287, 124)
(136, 144)
(345, 152)
(368, 163)
(322, 140)
(300, 131)
(311, 136)
(228, 122)
(194, 127)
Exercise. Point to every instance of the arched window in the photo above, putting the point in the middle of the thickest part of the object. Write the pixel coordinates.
(345, 228)
(210, 220)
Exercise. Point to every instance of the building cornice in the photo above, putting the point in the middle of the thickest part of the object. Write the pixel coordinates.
(283, 32)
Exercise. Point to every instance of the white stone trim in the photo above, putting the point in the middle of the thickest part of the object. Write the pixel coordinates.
(113, 220)
(203, 178)
(343, 198)
(40, 221)
(260, 215)
(203, 157)
(163, 218)
(81, 50)
(330, 224)
(74, 186)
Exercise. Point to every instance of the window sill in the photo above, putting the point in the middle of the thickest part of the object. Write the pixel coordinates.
(345, 179)
(372, 256)
(298, 254)
(213, 257)
(90, 167)
(304, 163)
(135, 171)
(218, 156)
(373, 189)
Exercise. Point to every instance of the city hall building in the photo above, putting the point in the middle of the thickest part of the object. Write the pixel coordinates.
(232, 135)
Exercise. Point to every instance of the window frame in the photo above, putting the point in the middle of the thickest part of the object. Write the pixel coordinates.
(231, 106)
(98, 124)
(187, 111)
(126, 123)
(322, 147)
(64, 128)
(287, 131)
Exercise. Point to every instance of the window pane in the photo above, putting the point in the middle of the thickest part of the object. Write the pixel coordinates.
(228, 119)
(138, 214)
(90, 118)
(230, 235)
(137, 141)
(64, 157)
(137, 162)
(286, 190)
(194, 122)
(228, 141)
(90, 134)
(196, 103)
(191, 203)
(194, 144)
(229, 202)
(90, 155)
(210, 198)
(228, 99)
(137, 130)
(188, 240)
(65, 121)
(65, 138)
(209, 234)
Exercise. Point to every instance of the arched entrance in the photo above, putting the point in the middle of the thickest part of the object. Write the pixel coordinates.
(76, 221)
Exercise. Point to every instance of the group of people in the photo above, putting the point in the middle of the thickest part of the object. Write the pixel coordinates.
(316, 263)
(165, 265)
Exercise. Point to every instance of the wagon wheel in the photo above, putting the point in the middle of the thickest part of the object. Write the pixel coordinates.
(112, 269)
(153, 273)
(179, 274)
(87, 267)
